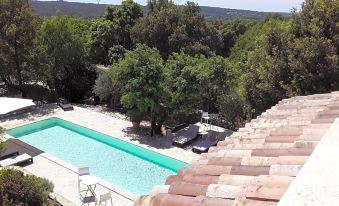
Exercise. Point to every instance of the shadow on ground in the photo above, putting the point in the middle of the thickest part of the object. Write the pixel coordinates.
(39, 111)
(15, 145)
(142, 135)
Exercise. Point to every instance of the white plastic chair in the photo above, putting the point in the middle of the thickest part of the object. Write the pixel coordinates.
(205, 119)
(81, 173)
(107, 197)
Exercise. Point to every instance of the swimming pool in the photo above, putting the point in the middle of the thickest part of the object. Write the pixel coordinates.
(126, 165)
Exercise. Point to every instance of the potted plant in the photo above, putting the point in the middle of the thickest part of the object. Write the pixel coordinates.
(136, 117)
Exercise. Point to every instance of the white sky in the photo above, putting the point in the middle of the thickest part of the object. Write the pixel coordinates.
(257, 5)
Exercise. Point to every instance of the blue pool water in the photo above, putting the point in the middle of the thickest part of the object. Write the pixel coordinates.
(133, 168)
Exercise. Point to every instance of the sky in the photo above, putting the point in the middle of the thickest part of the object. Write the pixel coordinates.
(256, 5)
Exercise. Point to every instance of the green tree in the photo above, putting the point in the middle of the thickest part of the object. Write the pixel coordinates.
(124, 16)
(267, 71)
(156, 28)
(140, 75)
(114, 29)
(170, 29)
(195, 83)
(291, 58)
(116, 53)
(103, 37)
(185, 82)
(230, 30)
(219, 80)
(17, 31)
(65, 42)
(313, 56)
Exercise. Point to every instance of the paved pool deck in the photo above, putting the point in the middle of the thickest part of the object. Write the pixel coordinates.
(64, 175)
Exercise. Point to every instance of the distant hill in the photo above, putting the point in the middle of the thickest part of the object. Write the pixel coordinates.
(90, 10)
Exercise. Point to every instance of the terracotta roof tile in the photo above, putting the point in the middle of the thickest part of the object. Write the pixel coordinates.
(292, 160)
(208, 170)
(224, 191)
(179, 200)
(250, 170)
(282, 138)
(259, 161)
(282, 152)
(189, 189)
(262, 192)
(255, 165)
(285, 170)
(224, 161)
(249, 202)
(171, 179)
(237, 180)
(201, 179)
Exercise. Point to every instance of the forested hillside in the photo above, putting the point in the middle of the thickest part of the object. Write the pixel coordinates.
(87, 10)
(170, 63)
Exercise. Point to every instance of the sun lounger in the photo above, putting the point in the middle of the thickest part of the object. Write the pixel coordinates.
(9, 155)
(211, 140)
(190, 135)
(64, 104)
(17, 160)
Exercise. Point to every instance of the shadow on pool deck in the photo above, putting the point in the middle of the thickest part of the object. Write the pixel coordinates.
(32, 114)
(142, 135)
(15, 145)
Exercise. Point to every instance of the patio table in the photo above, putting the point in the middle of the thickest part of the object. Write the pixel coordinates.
(91, 182)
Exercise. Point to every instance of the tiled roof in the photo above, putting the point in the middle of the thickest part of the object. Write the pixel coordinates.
(256, 165)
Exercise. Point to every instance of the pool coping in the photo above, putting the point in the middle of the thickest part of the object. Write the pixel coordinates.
(116, 189)
(91, 128)
(110, 186)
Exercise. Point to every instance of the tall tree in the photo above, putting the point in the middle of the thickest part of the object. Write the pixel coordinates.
(114, 29)
(17, 32)
(230, 30)
(65, 42)
(314, 55)
(170, 28)
(264, 81)
(156, 28)
(195, 83)
(140, 75)
(185, 81)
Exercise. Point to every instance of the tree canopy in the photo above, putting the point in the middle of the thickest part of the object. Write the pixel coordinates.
(170, 63)
(65, 44)
(140, 75)
(114, 29)
(17, 32)
(170, 29)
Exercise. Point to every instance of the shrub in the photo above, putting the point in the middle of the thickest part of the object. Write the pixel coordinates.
(17, 189)
(103, 87)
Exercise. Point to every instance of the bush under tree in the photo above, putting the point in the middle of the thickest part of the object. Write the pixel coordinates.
(24, 190)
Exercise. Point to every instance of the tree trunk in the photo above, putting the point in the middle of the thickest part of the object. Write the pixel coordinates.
(153, 124)
(18, 71)
(156, 126)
